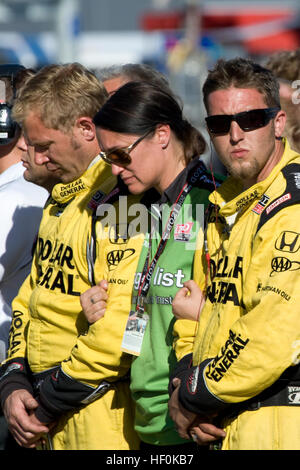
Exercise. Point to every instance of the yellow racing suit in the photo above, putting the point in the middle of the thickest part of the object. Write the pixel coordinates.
(247, 349)
(76, 371)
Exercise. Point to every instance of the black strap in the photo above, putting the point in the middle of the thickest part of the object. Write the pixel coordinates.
(289, 197)
(197, 176)
(284, 392)
(119, 190)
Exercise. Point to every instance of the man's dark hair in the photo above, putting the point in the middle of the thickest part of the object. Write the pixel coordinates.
(242, 73)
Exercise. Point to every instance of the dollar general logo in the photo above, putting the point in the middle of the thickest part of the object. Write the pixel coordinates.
(281, 264)
(114, 257)
(233, 347)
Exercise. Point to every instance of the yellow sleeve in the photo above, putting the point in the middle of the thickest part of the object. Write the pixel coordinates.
(184, 331)
(97, 355)
(21, 317)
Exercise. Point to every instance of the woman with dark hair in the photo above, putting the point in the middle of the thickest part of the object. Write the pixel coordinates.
(154, 116)
(149, 144)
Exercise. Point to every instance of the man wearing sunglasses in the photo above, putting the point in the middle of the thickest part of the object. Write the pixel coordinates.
(245, 376)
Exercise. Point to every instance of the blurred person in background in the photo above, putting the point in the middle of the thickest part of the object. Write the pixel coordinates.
(37, 174)
(286, 67)
(115, 76)
(285, 64)
(22, 204)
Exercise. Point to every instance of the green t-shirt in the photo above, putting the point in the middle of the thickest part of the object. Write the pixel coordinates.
(151, 370)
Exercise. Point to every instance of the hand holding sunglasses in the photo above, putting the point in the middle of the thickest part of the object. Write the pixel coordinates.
(247, 120)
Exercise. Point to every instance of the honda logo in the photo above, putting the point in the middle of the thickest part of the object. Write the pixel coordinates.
(288, 242)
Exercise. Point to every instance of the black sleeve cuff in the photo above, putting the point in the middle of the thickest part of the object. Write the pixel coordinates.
(181, 368)
(44, 415)
(59, 393)
(194, 394)
(14, 376)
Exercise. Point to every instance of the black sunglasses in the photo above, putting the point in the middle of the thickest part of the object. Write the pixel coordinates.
(247, 120)
(120, 156)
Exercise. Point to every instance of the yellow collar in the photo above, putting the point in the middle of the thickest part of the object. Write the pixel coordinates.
(230, 197)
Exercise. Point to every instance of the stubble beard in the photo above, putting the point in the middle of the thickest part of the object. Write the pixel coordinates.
(244, 171)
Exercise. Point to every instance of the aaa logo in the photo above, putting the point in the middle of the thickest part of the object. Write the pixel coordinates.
(114, 257)
(281, 264)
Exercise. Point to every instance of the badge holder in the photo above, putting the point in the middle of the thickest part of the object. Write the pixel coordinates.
(134, 331)
(138, 319)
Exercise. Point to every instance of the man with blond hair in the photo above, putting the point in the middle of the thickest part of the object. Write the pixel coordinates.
(52, 378)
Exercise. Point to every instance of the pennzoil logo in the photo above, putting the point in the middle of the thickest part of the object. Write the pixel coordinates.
(274, 289)
(115, 256)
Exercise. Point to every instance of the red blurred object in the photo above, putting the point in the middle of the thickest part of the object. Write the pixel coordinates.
(162, 21)
(260, 30)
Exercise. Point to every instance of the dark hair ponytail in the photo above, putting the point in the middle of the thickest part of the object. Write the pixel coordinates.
(192, 140)
(139, 107)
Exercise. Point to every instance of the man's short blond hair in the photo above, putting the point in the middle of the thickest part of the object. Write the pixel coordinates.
(60, 94)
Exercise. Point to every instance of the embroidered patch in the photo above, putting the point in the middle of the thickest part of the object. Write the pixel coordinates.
(294, 395)
(96, 199)
(296, 179)
(14, 366)
(182, 232)
(278, 201)
(261, 204)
